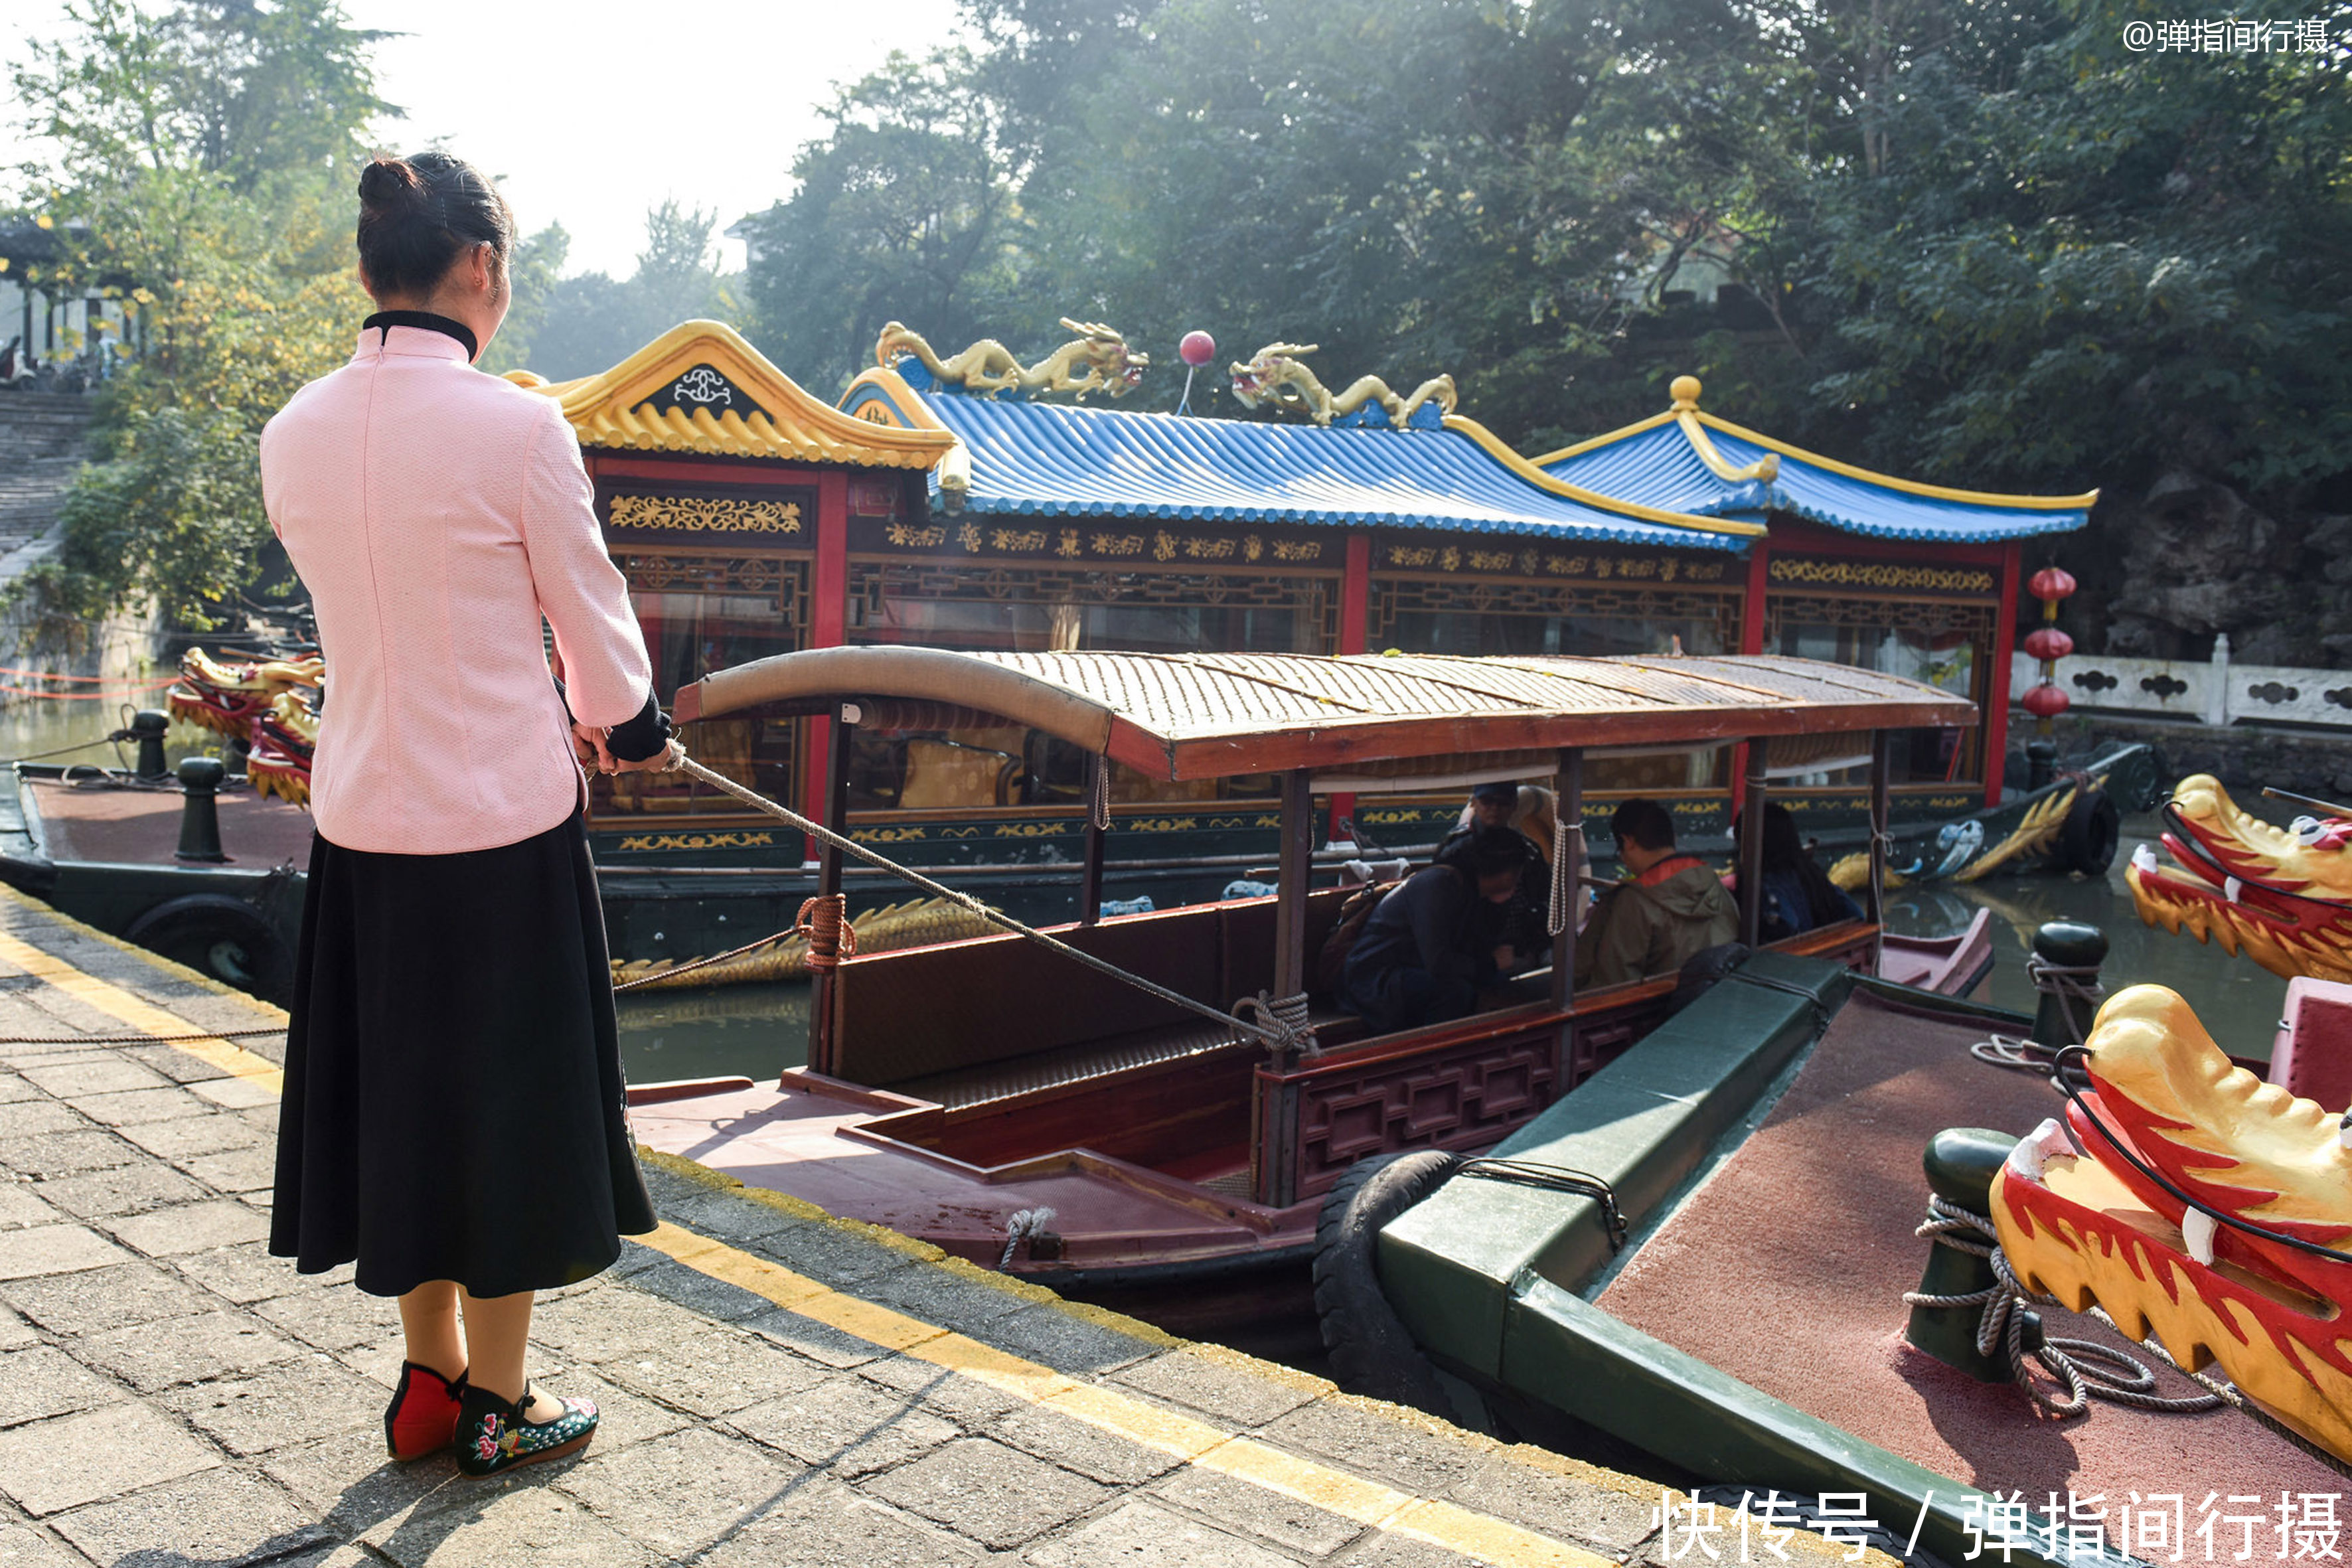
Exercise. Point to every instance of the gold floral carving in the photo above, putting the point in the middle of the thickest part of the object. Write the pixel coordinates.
(1297, 550)
(913, 538)
(706, 515)
(889, 834)
(1881, 574)
(663, 842)
(1118, 544)
(1018, 539)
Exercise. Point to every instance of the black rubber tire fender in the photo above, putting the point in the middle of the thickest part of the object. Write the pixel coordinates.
(2087, 839)
(221, 937)
(1372, 1353)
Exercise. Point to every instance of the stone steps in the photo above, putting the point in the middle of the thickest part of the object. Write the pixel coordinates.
(44, 437)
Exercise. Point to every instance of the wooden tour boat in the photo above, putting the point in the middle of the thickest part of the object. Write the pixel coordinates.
(957, 1092)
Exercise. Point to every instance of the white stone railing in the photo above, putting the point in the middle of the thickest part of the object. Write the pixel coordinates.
(2214, 691)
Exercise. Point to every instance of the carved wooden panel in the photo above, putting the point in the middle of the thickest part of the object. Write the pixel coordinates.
(1462, 1098)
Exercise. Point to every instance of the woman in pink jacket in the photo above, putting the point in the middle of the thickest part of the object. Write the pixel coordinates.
(454, 1117)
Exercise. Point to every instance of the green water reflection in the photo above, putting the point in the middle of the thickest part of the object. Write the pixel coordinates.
(2239, 1001)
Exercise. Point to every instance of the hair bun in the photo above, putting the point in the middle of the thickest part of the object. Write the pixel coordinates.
(389, 182)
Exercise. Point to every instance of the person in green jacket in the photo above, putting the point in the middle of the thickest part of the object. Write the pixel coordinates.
(1669, 908)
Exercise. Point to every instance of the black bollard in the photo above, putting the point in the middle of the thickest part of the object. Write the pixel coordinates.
(2040, 762)
(2060, 1019)
(147, 728)
(200, 839)
(1960, 1163)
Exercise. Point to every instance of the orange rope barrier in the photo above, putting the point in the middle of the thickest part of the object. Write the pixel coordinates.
(107, 696)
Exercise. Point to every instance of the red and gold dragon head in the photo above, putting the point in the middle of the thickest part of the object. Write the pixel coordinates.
(2281, 895)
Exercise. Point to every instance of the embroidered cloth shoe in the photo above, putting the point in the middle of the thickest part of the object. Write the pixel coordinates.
(423, 1416)
(493, 1436)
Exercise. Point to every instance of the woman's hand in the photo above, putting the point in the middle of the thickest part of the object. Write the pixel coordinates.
(662, 761)
(594, 752)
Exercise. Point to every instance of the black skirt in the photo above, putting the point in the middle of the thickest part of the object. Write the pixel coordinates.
(455, 1108)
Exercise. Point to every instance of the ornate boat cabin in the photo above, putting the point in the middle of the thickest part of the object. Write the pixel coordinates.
(949, 1087)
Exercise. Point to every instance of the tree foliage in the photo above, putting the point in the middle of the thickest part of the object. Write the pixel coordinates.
(1975, 240)
(202, 163)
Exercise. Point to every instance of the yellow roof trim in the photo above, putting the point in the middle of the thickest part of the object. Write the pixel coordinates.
(1765, 468)
(955, 463)
(1914, 486)
(614, 409)
(1652, 423)
(1495, 448)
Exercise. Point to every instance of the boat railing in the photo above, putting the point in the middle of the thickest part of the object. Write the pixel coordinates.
(1464, 1084)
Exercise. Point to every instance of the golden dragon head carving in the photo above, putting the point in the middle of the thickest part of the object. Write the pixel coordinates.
(2281, 895)
(1097, 359)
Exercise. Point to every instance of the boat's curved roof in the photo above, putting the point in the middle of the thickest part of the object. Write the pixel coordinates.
(1192, 715)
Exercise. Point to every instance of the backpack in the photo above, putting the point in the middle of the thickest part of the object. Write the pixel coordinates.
(1355, 912)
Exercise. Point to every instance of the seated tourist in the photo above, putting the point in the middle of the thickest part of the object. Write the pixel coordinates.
(1668, 908)
(1798, 894)
(1526, 810)
(1433, 942)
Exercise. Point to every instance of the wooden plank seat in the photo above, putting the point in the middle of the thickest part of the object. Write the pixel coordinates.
(1062, 1067)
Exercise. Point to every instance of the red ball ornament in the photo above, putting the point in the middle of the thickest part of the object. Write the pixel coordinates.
(2051, 582)
(1197, 348)
(2049, 642)
(2046, 701)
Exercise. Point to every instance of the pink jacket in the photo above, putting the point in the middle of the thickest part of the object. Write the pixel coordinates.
(436, 514)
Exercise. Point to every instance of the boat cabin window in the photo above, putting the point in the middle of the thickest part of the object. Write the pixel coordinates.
(688, 635)
(1474, 632)
(1005, 766)
(1030, 609)
(1954, 657)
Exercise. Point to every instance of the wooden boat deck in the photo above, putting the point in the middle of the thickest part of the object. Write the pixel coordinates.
(1787, 1270)
(95, 821)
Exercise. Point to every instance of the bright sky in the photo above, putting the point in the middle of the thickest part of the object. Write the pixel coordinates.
(589, 115)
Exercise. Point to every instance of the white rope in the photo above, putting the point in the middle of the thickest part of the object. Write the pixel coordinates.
(1567, 854)
(1024, 1224)
(1098, 812)
(1273, 1038)
(2000, 1329)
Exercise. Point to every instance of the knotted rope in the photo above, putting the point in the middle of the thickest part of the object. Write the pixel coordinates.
(1275, 1037)
(831, 937)
(2000, 1329)
(1285, 1015)
(2072, 985)
(1028, 1224)
(1099, 805)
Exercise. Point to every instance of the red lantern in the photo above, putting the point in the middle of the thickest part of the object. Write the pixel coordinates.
(2049, 642)
(2051, 583)
(2045, 701)
(1197, 348)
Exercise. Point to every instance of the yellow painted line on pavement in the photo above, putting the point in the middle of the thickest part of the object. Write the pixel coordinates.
(117, 1003)
(1198, 1443)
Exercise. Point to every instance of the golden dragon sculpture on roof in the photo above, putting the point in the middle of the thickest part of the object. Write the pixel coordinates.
(1097, 359)
(1274, 378)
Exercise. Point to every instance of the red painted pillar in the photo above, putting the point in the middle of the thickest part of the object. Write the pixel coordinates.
(2005, 650)
(1355, 616)
(828, 622)
(1751, 641)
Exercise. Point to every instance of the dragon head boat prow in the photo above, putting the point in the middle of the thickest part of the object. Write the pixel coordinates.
(2282, 896)
(2206, 1209)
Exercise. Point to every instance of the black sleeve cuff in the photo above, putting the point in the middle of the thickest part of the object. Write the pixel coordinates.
(643, 736)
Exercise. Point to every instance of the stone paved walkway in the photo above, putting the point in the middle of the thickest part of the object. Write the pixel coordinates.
(778, 1388)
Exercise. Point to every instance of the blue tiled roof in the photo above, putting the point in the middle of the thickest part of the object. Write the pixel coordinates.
(1051, 460)
(1659, 468)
